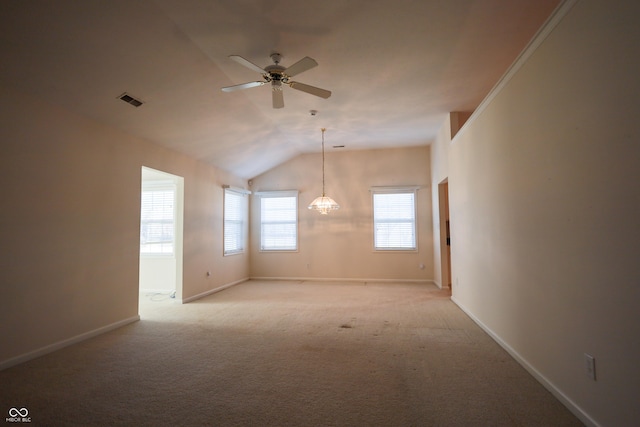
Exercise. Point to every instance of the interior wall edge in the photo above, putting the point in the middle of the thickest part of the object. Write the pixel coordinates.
(552, 22)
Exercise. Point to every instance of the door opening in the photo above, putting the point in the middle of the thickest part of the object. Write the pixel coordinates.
(445, 233)
(161, 218)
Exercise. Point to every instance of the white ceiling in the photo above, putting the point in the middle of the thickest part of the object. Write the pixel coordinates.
(395, 67)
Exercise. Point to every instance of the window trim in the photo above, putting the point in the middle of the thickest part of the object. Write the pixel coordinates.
(245, 215)
(160, 185)
(276, 194)
(395, 190)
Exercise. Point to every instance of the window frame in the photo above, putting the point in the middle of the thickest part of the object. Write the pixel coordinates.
(279, 194)
(395, 190)
(241, 224)
(159, 186)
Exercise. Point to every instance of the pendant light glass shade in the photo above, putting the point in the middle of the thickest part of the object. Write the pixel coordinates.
(323, 204)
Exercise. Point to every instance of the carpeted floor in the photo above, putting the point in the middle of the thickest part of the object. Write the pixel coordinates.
(269, 353)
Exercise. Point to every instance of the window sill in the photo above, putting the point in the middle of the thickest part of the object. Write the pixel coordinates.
(233, 253)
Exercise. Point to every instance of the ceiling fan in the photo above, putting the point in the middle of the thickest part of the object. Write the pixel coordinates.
(277, 75)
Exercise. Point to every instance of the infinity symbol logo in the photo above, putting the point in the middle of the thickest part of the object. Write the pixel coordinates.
(14, 412)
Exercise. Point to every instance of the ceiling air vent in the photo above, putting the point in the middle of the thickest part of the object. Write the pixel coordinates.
(130, 100)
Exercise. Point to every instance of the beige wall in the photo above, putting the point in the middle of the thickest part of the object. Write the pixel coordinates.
(70, 223)
(544, 212)
(340, 245)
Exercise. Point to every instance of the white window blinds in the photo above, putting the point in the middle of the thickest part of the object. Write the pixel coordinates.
(235, 213)
(394, 219)
(157, 222)
(278, 221)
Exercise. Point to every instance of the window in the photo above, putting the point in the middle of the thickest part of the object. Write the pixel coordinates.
(157, 222)
(235, 213)
(394, 218)
(279, 221)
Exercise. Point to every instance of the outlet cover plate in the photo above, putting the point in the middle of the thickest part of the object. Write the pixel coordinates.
(590, 366)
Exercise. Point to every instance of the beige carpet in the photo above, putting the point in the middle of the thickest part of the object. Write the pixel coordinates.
(287, 354)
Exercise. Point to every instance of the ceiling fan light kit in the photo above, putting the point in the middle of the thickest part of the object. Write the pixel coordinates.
(324, 204)
(276, 75)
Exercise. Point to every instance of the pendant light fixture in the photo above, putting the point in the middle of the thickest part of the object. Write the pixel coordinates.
(324, 203)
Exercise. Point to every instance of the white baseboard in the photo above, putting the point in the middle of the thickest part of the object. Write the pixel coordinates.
(337, 279)
(65, 343)
(212, 291)
(566, 401)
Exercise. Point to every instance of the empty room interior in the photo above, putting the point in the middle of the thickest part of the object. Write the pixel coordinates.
(352, 193)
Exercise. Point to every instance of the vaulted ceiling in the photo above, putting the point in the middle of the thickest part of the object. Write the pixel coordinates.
(395, 68)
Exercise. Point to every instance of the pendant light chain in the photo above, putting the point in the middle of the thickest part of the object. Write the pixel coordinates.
(323, 129)
(323, 204)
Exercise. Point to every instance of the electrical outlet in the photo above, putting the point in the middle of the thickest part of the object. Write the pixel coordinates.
(590, 366)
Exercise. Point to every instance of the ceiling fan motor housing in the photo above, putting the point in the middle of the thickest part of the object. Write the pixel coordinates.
(274, 73)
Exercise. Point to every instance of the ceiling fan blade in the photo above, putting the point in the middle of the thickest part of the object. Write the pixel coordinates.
(277, 98)
(240, 60)
(304, 64)
(322, 93)
(242, 86)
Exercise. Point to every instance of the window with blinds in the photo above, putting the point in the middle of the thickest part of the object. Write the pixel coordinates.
(279, 221)
(235, 214)
(394, 219)
(157, 222)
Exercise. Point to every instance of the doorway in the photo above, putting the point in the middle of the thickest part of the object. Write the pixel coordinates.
(445, 233)
(161, 235)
